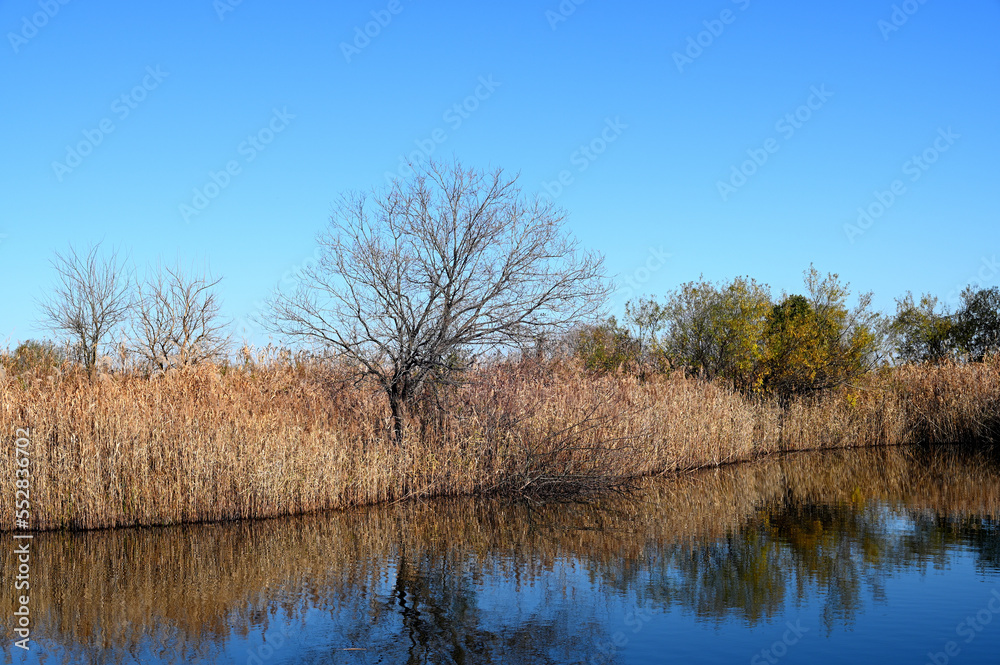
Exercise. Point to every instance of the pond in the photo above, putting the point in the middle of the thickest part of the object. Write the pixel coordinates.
(850, 556)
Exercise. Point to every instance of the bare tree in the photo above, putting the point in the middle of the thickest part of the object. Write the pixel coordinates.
(177, 319)
(417, 280)
(90, 300)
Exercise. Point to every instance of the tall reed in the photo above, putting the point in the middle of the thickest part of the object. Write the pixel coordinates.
(286, 437)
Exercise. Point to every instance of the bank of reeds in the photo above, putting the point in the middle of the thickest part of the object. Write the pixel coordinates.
(285, 437)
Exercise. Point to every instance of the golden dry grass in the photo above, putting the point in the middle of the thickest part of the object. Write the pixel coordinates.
(285, 437)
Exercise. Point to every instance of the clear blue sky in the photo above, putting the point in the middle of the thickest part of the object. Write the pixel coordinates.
(679, 128)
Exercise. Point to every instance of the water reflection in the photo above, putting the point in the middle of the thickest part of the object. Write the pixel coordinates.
(476, 581)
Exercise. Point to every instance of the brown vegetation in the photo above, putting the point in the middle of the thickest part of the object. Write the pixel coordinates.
(290, 436)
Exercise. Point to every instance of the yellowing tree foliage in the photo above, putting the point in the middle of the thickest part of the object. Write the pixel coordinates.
(607, 347)
(816, 342)
(710, 330)
(734, 332)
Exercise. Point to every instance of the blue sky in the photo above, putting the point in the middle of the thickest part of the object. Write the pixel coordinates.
(829, 102)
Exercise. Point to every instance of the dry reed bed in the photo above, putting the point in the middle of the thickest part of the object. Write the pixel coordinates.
(287, 438)
(189, 586)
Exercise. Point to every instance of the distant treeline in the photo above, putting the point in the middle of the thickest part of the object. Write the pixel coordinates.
(735, 332)
(738, 333)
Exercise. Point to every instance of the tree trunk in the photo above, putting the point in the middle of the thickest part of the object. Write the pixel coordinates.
(396, 404)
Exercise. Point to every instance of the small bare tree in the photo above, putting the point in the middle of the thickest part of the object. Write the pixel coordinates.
(177, 319)
(417, 280)
(90, 300)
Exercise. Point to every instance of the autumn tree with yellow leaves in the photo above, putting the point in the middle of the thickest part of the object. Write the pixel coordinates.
(817, 342)
(735, 333)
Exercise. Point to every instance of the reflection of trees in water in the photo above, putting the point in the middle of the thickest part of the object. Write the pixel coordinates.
(429, 610)
(485, 581)
(441, 620)
(843, 549)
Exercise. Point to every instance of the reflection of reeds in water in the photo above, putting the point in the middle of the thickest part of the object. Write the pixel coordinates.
(947, 481)
(189, 586)
(287, 438)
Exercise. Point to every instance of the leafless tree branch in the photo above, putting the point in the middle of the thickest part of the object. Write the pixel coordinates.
(177, 319)
(416, 281)
(89, 301)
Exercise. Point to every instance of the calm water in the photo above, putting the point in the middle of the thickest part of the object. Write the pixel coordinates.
(851, 557)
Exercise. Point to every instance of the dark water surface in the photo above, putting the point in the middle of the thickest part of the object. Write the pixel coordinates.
(889, 556)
